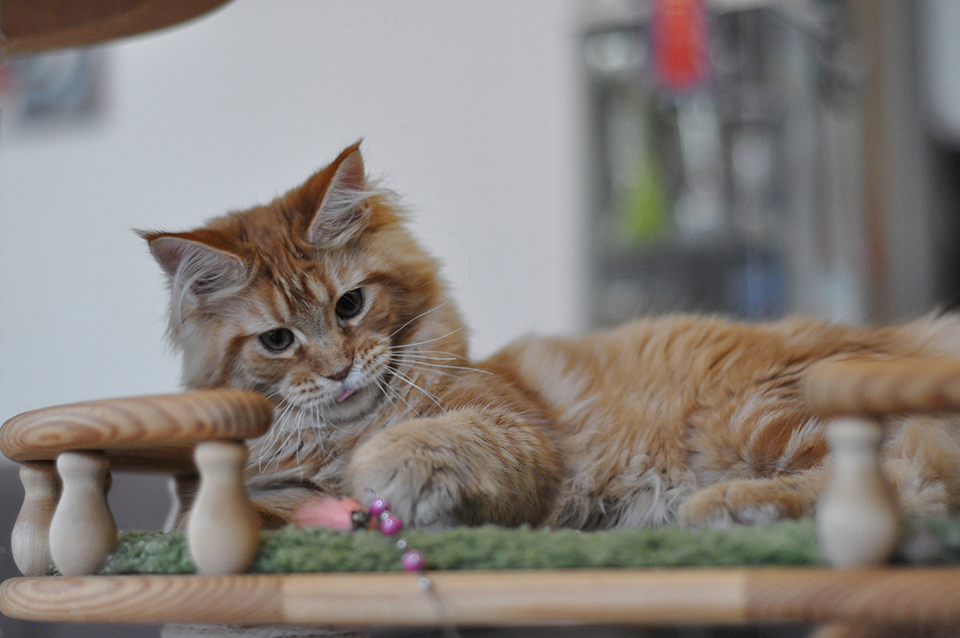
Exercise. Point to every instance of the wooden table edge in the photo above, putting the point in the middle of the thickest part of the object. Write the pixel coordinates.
(677, 596)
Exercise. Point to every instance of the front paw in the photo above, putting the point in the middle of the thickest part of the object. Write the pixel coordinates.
(411, 467)
(728, 504)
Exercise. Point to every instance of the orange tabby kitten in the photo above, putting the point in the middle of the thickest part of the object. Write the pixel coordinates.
(323, 301)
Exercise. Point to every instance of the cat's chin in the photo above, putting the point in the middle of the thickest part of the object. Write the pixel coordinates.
(348, 408)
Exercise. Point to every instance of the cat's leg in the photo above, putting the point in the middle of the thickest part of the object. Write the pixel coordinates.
(753, 501)
(922, 464)
(466, 466)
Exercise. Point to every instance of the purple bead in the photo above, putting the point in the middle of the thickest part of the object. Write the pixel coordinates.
(390, 524)
(413, 561)
(379, 505)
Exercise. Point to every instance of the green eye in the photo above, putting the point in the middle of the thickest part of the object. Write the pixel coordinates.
(276, 340)
(350, 304)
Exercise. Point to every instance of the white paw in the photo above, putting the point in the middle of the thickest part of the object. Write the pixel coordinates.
(417, 505)
(758, 514)
(416, 478)
(725, 505)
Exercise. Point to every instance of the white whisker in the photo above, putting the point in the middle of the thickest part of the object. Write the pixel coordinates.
(395, 394)
(271, 439)
(428, 367)
(426, 341)
(278, 454)
(422, 314)
(418, 357)
(406, 379)
(419, 352)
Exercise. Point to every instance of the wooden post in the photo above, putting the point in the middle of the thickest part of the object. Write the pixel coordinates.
(30, 540)
(857, 519)
(82, 531)
(222, 528)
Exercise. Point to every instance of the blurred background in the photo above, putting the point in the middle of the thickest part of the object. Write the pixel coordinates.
(573, 163)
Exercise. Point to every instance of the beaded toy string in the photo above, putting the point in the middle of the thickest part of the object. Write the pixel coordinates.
(379, 516)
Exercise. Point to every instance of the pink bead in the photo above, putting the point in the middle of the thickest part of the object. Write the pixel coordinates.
(390, 524)
(379, 505)
(413, 561)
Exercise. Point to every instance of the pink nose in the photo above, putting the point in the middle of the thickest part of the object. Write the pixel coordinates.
(341, 375)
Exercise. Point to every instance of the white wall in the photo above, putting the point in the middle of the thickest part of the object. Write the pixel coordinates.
(470, 109)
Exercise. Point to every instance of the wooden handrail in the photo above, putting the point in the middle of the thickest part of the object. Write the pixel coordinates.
(144, 425)
(883, 387)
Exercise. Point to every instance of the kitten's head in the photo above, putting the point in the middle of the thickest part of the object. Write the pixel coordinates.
(312, 299)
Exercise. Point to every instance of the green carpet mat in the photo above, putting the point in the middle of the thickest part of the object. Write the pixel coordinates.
(930, 541)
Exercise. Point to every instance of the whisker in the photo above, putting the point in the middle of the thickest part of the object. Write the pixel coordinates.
(279, 453)
(428, 367)
(422, 357)
(422, 314)
(299, 444)
(415, 360)
(387, 388)
(403, 377)
(270, 440)
(443, 353)
(293, 423)
(441, 373)
(424, 342)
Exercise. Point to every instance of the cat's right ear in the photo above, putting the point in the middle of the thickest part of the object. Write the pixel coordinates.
(195, 267)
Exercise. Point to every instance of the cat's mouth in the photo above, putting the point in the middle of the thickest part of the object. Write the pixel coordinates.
(346, 394)
(354, 399)
(352, 386)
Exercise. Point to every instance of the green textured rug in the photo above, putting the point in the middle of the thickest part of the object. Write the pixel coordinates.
(931, 541)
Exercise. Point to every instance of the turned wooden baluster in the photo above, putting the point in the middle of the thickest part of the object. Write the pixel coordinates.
(82, 531)
(222, 527)
(152, 433)
(30, 540)
(857, 518)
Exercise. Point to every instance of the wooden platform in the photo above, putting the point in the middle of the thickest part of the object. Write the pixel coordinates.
(857, 524)
(739, 596)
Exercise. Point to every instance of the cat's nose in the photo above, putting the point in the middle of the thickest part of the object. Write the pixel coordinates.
(342, 374)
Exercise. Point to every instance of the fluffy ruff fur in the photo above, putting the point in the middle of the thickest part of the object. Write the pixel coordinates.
(323, 301)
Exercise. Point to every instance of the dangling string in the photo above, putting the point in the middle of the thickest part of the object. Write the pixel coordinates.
(446, 623)
(412, 560)
(346, 514)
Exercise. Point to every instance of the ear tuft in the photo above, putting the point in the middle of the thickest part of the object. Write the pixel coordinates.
(342, 212)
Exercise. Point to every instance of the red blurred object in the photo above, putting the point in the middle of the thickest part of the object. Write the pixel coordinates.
(680, 42)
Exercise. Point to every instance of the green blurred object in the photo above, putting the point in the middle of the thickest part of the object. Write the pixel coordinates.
(645, 204)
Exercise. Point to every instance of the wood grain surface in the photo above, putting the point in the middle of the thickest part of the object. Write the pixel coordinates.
(154, 432)
(891, 595)
(676, 596)
(874, 388)
(31, 26)
(143, 599)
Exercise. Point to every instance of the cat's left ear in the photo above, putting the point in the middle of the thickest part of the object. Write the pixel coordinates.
(342, 211)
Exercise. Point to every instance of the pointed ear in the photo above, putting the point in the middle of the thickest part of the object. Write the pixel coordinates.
(195, 267)
(342, 212)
